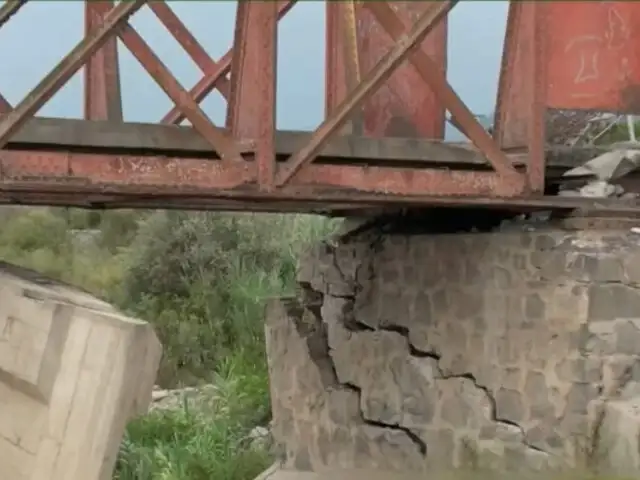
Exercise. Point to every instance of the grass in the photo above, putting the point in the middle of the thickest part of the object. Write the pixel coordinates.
(201, 279)
(204, 441)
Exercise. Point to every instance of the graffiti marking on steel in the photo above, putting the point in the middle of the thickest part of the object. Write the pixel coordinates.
(618, 32)
(588, 52)
(596, 56)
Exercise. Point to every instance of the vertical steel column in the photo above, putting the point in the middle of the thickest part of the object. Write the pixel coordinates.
(102, 95)
(511, 118)
(335, 74)
(521, 104)
(536, 133)
(252, 102)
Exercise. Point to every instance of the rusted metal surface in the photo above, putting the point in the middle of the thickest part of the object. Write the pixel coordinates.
(371, 81)
(217, 72)
(514, 90)
(106, 172)
(9, 9)
(174, 142)
(535, 107)
(102, 96)
(386, 74)
(590, 63)
(291, 198)
(409, 182)
(218, 139)
(188, 42)
(593, 59)
(335, 76)
(5, 106)
(252, 103)
(437, 80)
(403, 106)
(127, 172)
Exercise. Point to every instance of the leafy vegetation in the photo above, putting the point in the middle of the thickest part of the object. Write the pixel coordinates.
(201, 279)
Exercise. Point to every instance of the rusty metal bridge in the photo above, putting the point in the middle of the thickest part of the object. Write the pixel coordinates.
(380, 143)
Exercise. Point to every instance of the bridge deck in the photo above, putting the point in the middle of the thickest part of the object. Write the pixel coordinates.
(117, 165)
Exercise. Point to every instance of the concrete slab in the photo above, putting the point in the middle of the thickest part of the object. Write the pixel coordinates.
(73, 371)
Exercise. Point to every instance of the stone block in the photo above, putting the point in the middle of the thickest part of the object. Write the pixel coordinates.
(611, 301)
(73, 371)
(618, 448)
(455, 346)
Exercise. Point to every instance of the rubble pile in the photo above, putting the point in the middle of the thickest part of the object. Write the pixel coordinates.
(600, 177)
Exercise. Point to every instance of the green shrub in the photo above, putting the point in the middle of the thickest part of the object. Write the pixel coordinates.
(201, 280)
(44, 239)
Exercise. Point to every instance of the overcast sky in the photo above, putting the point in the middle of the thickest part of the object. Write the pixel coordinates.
(42, 32)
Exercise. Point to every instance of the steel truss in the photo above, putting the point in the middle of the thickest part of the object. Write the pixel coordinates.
(379, 145)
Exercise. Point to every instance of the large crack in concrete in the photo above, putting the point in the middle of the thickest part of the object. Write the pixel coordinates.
(321, 350)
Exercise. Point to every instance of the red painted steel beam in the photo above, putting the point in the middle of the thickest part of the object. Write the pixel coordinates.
(5, 106)
(591, 63)
(536, 133)
(99, 171)
(404, 106)
(252, 104)
(102, 96)
(515, 90)
(9, 9)
(342, 62)
(302, 200)
(372, 80)
(408, 182)
(335, 80)
(62, 73)
(393, 26)
(437, 81)
(221, 143)
(251, 120)
(218, 71)
(520, 104)
(188, 42)
(50, 171)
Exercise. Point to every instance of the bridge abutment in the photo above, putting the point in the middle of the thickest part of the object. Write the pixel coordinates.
(515, 349)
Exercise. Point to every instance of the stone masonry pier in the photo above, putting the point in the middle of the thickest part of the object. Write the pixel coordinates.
(515, 349)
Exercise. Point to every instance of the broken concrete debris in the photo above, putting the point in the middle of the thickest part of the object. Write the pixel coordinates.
(597, 177)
